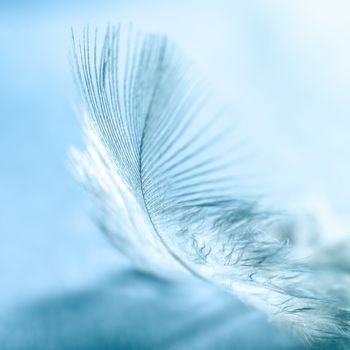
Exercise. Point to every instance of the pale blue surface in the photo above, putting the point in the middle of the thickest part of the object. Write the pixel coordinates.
(288, 86)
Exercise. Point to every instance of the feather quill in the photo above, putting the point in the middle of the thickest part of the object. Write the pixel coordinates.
(161, 163)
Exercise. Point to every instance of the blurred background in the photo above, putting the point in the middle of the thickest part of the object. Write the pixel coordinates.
(283, 66)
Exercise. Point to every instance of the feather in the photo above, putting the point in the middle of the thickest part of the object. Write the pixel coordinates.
(161, 161)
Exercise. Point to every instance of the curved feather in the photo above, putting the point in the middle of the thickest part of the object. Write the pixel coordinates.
(162, 163)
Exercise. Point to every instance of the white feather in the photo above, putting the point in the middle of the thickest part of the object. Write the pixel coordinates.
(163, 169)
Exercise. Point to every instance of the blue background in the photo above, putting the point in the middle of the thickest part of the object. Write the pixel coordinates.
(283, 66)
